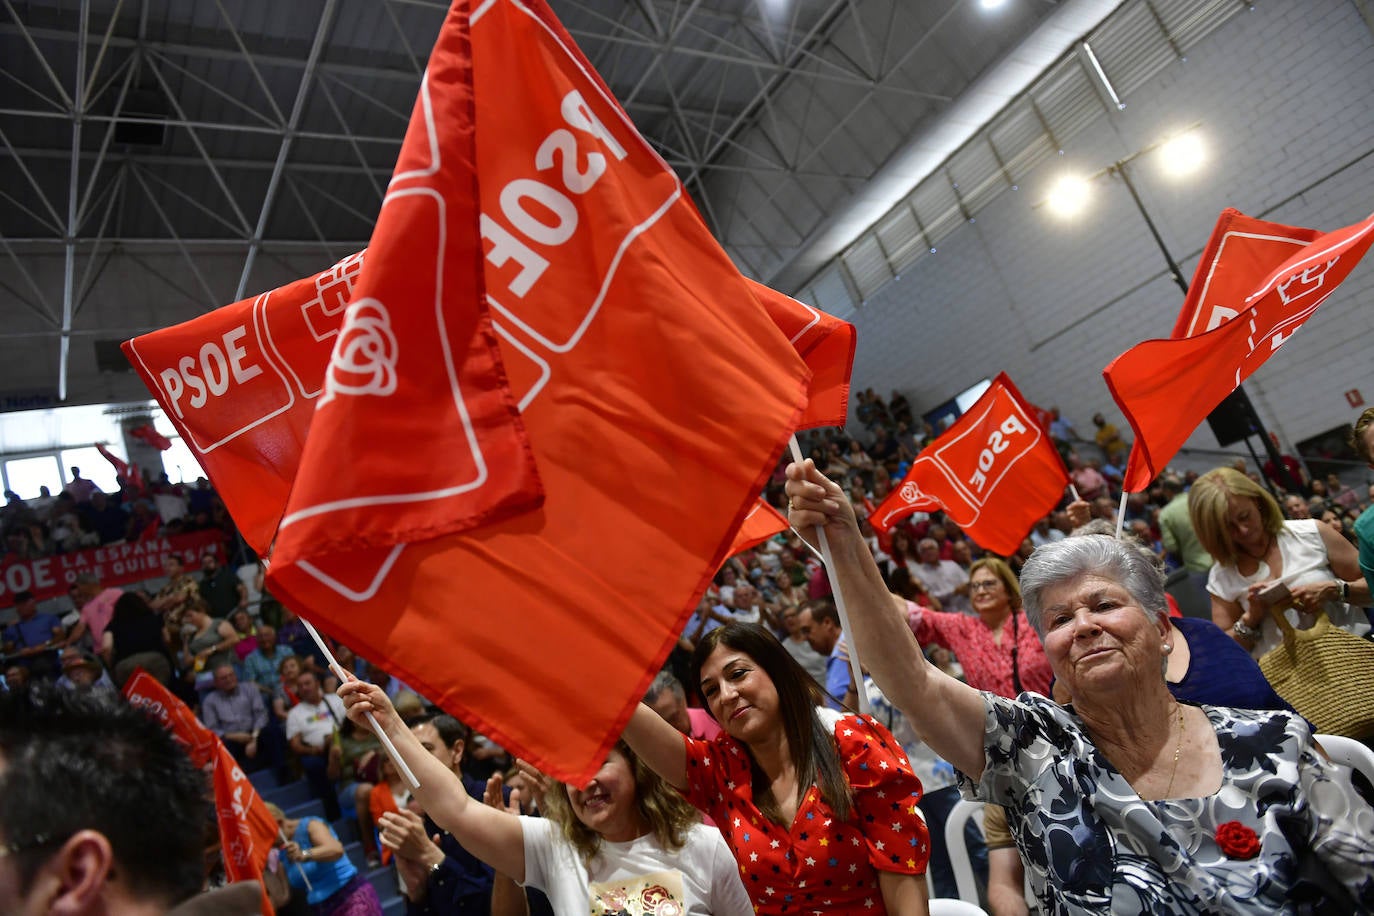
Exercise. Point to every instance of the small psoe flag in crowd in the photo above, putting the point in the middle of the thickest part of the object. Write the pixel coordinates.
(147, 434)
(1256, 284)
(826, 344)
(125, 473)
(995, 473)
(247, 830)
(762, 522)
(655, 390)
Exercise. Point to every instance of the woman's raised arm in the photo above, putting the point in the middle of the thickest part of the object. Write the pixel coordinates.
(495, 837)
(947, 713)
(659, 745)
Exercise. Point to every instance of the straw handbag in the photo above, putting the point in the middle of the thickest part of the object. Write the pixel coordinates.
(1326, 673)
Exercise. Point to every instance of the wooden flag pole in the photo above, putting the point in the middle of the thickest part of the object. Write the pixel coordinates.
(343, 675)
(828, 559)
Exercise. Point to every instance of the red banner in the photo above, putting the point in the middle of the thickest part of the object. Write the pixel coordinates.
(995, 473)
(247, 830)
(762, 522)
(114, 564)
(1256, 284)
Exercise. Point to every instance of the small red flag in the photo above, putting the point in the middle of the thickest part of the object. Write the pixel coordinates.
(826, 344)
(1255, 286)
(995, 472)
(151, 436)
(762, 522)
(247, 830)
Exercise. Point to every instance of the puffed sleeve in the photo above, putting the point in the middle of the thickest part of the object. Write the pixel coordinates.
(930, 626)
(716, 770)
(885, 795)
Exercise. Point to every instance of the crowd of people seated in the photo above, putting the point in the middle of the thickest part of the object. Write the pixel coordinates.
(256, 678)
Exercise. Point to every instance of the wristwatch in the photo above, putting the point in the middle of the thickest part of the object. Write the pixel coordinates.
(1344, 586)
(1244, 630)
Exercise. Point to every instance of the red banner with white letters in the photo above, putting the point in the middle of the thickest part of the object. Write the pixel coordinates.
(1256, 284)
(113, 564)
(995, 473)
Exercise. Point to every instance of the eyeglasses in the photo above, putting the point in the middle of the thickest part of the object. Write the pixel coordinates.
(986, 585)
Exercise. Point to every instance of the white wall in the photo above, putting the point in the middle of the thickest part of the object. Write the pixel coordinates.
(1283, 94)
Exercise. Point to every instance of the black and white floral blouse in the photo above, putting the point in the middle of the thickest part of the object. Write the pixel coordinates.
(1091, 845)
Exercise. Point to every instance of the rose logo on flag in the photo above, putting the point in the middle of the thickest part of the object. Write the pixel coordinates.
(1304, 282)
(910, 493)
(364, 358)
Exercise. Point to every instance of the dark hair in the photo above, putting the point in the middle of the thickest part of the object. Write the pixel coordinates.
(21, 596)
(812, 745)
(74, 761)
(822, 609)
(130, 605)
(450, 729)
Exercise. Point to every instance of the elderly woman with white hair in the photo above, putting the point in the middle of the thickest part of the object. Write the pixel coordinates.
(1126, 801)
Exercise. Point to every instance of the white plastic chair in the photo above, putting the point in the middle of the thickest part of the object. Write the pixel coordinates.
(959, 859)
(1347, 752)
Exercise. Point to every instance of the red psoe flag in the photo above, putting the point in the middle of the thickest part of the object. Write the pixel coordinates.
(247, 830)
(995, 472)
(825, 343)
(762, 522)
(415, 363)
(657, 394)
(1255, 286)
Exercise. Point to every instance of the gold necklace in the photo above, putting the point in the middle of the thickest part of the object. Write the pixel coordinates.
(1178, 752)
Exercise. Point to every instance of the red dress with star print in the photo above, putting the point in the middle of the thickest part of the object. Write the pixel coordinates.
(818, 865)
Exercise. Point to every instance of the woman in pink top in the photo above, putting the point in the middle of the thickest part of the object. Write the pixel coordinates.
(998, 649)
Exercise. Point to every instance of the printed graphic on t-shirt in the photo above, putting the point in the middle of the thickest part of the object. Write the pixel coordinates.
(656, 894)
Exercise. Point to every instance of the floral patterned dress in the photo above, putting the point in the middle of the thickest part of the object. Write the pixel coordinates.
(1294, 836)
(819, 864)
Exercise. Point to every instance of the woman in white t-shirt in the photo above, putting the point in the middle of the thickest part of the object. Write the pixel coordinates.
(626, 843)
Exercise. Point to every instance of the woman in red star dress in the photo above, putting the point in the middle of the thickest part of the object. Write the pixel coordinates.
(819, 809)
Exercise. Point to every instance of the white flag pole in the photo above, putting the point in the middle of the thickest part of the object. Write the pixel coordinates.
(828, 559)
(299, 867)
(343, 675)
(1121, 515)
(1073, 491)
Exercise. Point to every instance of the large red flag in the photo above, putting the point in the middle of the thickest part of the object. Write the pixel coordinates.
(826, 344)
(247, 830)
(1255, 286)
(656, 391)
(762, 522)
(995, 473)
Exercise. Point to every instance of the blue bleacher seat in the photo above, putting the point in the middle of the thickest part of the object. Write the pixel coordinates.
(396, 906)
(384, 880)
(263, 780)
(293, 793)
(311, 808)
(346, 829)
(355, 854)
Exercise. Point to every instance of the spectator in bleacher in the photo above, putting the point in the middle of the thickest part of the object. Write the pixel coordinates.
(819, 624)
(136, 638)
(1295, 507)
(942, 578)
(246, 631)
(1108, 438)
(360, 768)
(84, 829)
(220, 588)
(16, 677)
(209, 643)
(180, 589)
(83, 671)
(81, 489)
(34, 637)
(336, 888)
(96, 605)
(104, 518)
(310, 729)
(238, 715)
(284, 697)
(1362, 440)
(1179, 539)
(260, 666)
(799, 647)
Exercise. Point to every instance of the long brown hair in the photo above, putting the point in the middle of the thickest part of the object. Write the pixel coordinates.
(810, 744)
(667, 813)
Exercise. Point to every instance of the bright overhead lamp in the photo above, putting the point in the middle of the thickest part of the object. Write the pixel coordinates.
(1183, 155)
(1069, 196)
(992, 4)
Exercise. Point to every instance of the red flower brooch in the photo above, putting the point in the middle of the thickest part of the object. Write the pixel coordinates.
(1237, 840)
